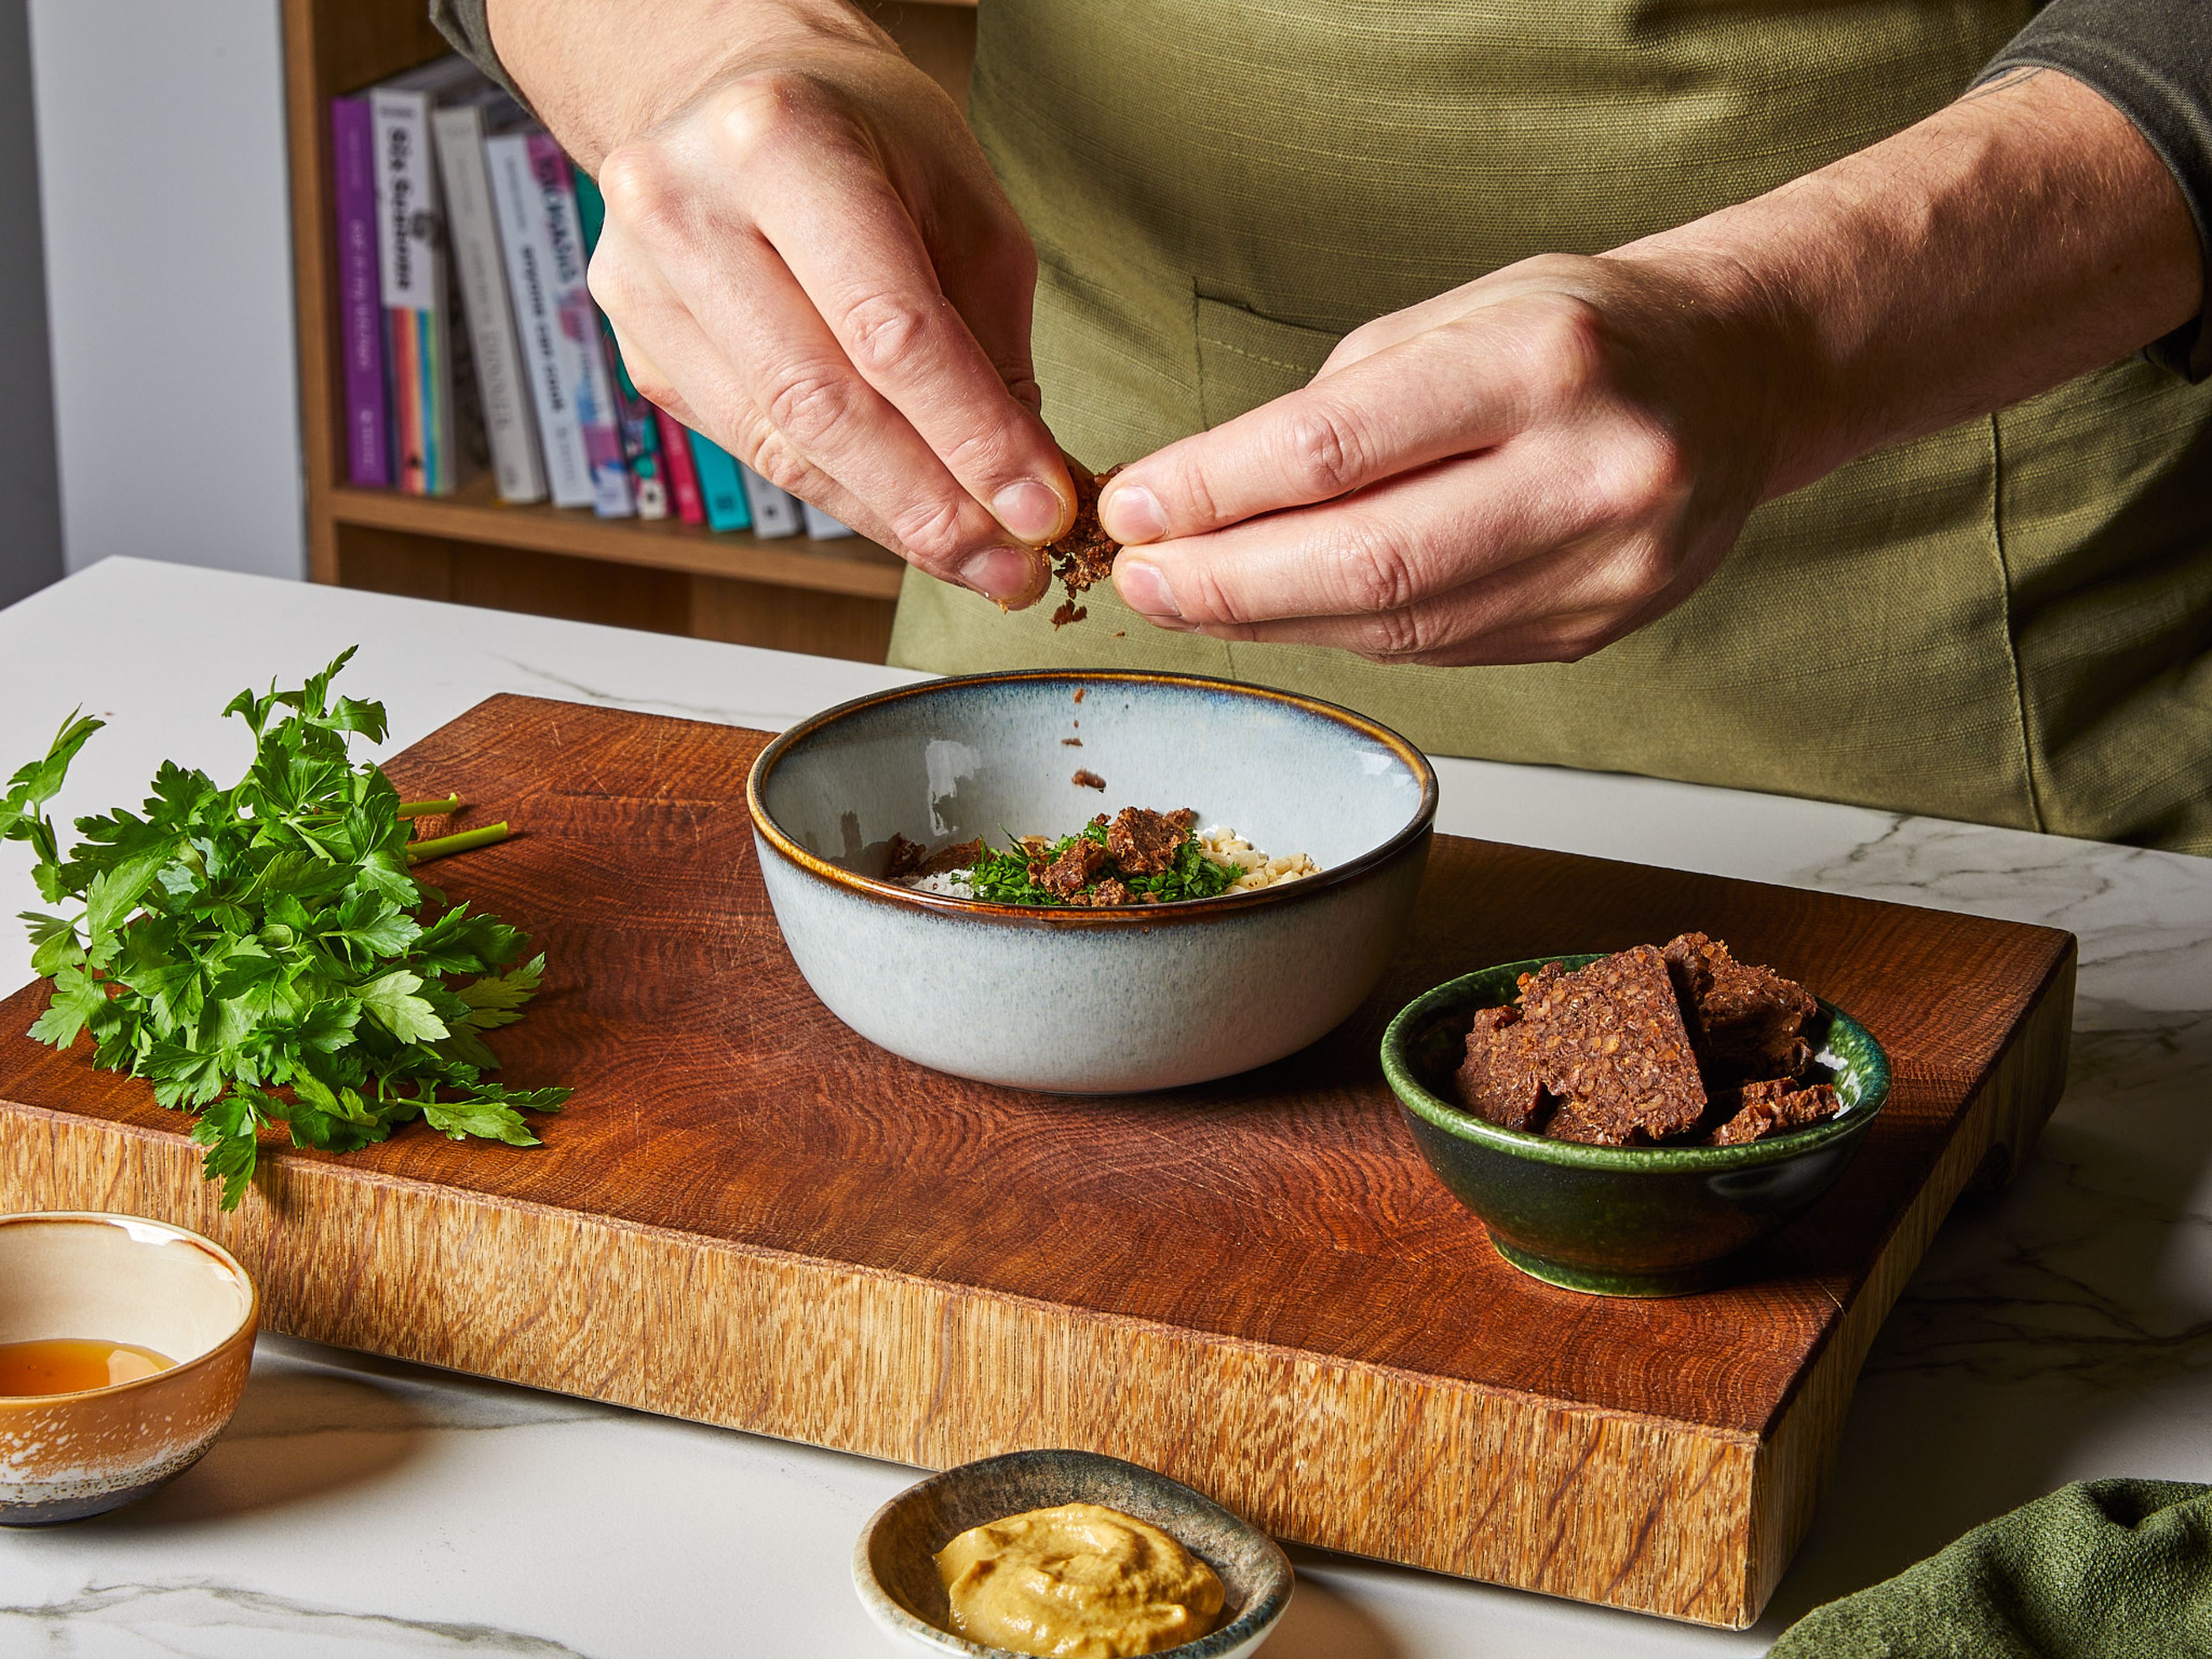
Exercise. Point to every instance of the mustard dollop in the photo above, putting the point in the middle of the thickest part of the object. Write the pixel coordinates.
(1078, 1581)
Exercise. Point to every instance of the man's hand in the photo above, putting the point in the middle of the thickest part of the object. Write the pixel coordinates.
(807, 259)
(1520, 471)
(1532, 466)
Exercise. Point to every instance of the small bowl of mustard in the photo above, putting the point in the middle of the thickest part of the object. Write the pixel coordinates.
(1068, 1552)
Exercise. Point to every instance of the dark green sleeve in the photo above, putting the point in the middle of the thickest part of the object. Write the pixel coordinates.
(2152, 60)
(463, 22)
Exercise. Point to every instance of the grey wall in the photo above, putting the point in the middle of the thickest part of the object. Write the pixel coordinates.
(161, 143)
(30, 506)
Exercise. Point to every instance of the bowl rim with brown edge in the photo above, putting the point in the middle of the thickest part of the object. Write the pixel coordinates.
(1142, 916)
(251, 1321)
(1268, 1597)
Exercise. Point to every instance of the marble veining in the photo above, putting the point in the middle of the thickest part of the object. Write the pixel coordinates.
(2060, 1327)
(195, 1618)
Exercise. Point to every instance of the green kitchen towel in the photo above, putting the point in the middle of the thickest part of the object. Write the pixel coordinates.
(2099, 1569)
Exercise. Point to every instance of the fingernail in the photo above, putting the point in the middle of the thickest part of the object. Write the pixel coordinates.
(1028, 509)
(1144, 588)
(1129, 512)
(1008, 574)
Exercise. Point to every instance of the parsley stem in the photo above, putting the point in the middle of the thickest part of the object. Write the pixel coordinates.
(423, 851)
(420, 809)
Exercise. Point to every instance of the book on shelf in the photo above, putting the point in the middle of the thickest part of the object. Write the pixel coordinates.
(721, 484)
(683, 496)
(775, 510)
(361, 306)
(591, 386)
(434, 450)
(479, 271)
(526, 245)
(467, 333)
(641, 434)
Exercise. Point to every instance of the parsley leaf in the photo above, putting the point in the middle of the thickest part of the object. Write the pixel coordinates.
(264, 955)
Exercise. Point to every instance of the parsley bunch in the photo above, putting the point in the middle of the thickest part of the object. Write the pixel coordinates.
(235, 943)
(1003, 877)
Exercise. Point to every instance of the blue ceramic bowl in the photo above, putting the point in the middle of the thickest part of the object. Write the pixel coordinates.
(1089, 1001)
(1620, 1220)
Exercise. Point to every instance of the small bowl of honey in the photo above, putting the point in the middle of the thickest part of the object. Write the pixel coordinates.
(124, 1349)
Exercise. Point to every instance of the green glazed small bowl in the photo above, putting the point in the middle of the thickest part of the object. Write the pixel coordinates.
(1620, 1220)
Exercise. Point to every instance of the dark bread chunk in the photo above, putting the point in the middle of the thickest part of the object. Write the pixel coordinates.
(1609, 1039)
(1769, 1108)
(1607, 1042)
(1184, 818)
(1569, 1122)
(1074, 869)
(903, 859)
(1085, 557)
(1495, 1080)
(1109, 891)
(1143, 842)
(1084, 778)
(961, 856)
(1747, 1021)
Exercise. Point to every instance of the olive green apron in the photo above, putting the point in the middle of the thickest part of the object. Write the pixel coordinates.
(2010, 622)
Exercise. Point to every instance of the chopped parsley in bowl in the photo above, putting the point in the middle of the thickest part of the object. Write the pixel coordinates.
(1138, 857)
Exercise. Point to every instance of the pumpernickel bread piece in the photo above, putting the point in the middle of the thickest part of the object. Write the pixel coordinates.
(1085, 557)
(1610, 1042)
(1144, 842)
(1747, 1022)
(903, 857)
(1771, 1108)
(1605, 1042)
(1496, 1080)
(1074, 869)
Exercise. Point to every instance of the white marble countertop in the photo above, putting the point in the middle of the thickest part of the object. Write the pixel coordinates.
(2058, 1331)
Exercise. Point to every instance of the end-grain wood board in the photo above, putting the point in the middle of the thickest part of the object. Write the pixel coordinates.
(750, 1216)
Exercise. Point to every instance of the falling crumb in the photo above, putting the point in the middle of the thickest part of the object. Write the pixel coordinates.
(1069, 611)
(1071, 743)
(1079, 694)
(1086, 779)
(1121, 633)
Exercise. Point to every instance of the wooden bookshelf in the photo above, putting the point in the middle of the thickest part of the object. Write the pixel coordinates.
(831, 598)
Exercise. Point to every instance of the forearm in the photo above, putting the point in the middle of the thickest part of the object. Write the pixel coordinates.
(2013, 241)
(600, 72)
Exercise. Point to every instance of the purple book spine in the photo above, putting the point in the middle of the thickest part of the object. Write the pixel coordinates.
(361, 309)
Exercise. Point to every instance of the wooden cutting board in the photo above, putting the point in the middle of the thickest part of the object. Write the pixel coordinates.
(750, 1216)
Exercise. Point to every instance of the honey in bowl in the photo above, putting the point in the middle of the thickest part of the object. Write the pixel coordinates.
(68, 1365)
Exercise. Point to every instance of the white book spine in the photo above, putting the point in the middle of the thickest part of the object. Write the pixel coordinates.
(406, 200)
(526, 241)
(775, 511)
(820, 527)
(480, 271)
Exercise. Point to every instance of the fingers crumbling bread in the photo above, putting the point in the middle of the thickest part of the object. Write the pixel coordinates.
(1085, 557)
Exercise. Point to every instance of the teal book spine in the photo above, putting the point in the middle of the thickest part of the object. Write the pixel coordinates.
(719, 485)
